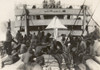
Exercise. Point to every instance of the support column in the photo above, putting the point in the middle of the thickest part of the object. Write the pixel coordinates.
(84, 18)
(26, 14)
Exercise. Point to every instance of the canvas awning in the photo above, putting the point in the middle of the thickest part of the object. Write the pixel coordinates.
(55, 24)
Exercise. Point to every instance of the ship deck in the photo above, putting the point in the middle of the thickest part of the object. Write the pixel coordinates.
(50, 63)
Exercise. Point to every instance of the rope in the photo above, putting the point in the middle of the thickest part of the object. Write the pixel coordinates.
(76, 20)
(32, 22)
(93, 19)
(92, 14)
(78, 15)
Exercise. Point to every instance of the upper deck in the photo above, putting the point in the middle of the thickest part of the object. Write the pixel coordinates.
(51, 11)
(39, 18)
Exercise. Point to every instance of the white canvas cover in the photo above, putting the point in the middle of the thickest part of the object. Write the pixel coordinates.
(55, 24)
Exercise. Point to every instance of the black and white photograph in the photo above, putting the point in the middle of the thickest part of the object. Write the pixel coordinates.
(49, 34)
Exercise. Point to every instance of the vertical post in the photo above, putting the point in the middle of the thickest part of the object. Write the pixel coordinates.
(55, 33)
(84, 18)
(26, 14)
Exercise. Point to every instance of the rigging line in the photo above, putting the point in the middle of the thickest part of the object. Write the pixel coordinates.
(93, 19)
(77, 17)
(92, 14)
(22, 16)
(31, 21)
(79, 12)
(76, 20)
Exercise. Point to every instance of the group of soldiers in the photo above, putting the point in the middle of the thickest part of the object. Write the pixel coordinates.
(51, 4)
(31, 47)
(25, 45)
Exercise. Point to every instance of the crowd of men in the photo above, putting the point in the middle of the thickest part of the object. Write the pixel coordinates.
(31, 47)
(25, 45)
(51, 4)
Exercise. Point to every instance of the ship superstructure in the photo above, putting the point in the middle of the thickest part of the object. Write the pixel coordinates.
(35, 19)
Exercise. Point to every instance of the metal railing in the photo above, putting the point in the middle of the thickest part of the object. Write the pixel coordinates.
(41, 6)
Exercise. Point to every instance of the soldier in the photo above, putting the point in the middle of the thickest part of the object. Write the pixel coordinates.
(42, 35)
(7, 44)
(23, 48)
(34, 41)
(30, 36)
(40, 60)
(24, 39)
(37, 67)
(52, 4)
(82, 49)
(45, 4)
(70, 7)
(93, 61)
(11, 58)
(28, 59)
(19, 37)
(47, 39)
(63, 38)
(58, 5)
(96, 32)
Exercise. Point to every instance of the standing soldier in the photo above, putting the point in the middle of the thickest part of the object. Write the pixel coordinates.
(58, 5)
(34, 41)
(47, 39)
(19, 37)
(7, 44)
(24, 39)
(45, 4)
(82, 49)
(52, 4)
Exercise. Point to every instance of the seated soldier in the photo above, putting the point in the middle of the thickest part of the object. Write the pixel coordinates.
(11, 58)
(38, 51)
(28, 56)
(40, 60)
(28, 60)
(23, 48)
(37, 67)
